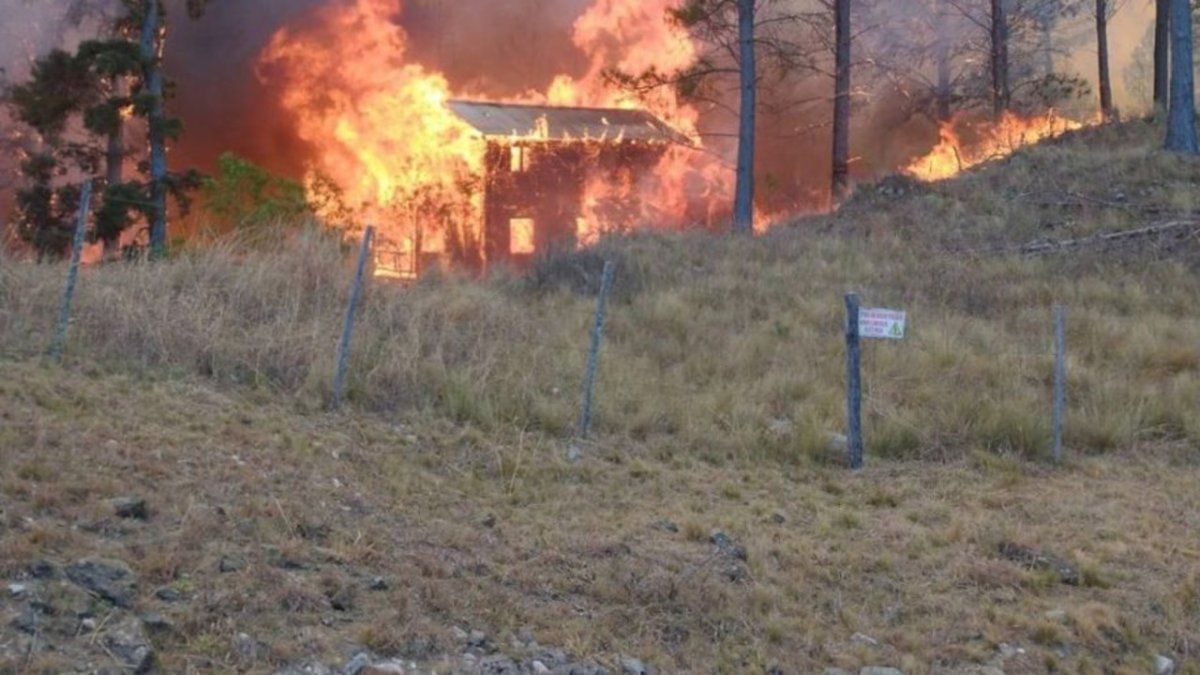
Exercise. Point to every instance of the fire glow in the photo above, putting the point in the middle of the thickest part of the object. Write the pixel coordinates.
(383, 131)
(963, 144)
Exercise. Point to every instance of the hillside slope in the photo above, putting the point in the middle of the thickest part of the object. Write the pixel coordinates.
(441, 520)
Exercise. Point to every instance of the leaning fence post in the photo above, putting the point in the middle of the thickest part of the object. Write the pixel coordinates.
(64, 310)
(589, 380)
(1060, 378)
(854, 441)
(343, 358)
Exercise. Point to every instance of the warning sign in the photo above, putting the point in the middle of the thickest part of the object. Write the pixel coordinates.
(881, 324)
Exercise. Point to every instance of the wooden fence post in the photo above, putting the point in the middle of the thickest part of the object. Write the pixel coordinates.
(59, 341)
(589, 380)
(1060, 378)
(343, 359)
(854, 440)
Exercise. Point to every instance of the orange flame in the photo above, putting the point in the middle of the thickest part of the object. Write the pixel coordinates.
(963, 144)
(381, 131)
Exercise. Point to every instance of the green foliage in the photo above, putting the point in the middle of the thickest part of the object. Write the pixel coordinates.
(244, 195)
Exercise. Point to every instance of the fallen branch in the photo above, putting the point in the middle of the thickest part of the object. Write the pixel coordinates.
(1048, 246)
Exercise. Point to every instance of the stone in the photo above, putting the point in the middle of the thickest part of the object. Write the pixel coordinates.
(880, 670)
(131, 507)
(112, 580)
(1163, 665)
(632, 666)
(378, 584)
(1057, 615)
(43, 569)
(1041, 560)
(310, 668)
(157, 623)
(384, 668)
(477, 640)
(246, 647)
(357, 664)
(666, 526)
(490, 521)
(168, 594)
(230, 564)
(460, 634)
(17, 591)
(128, 644)
(778, 518)
(725, 546)
(836, 671)
(498, 664)
(538, 667)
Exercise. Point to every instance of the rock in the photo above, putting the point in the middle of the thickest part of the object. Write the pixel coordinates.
(778, 518)
(880, 670)
(1057, 615)
(580, 669)
(666, 526)
(538, 667)
(378, 584)
(230, 564)
(384, 668)
(1163, 665)
(43, 569)
(975, 670)
(477, 640)
(632, 666)
(460, 634)
(157, 623)
(1041, 560)
(27, 621)
(88, 625)
(836, 671)
(725, 546)
(490, 521)
(17, 591)
(168, 594)
(282, 559)
(110, 579)
(498, 664)
(357, 664)
(130, 507)
(128, 644)
(246, 647)
(310, 668)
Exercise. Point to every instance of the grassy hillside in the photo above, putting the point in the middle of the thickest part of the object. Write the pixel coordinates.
(201, 383)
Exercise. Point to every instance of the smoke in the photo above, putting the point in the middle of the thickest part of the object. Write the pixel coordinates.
(484, 48)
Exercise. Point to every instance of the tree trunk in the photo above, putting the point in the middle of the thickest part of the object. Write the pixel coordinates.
(1106, 102)
(945, 88)
(153, 83)
(1162, 53)
(999, 56)
(743, 208)
(841, 102)
(1181, 117)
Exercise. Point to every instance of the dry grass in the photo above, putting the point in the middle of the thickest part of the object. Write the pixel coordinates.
(203, 381)
(499, 532)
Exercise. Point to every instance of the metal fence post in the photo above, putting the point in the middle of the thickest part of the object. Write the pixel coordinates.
(589, 380)
(1060, 378)
(59, 341)
(343, 359)
(854, 441)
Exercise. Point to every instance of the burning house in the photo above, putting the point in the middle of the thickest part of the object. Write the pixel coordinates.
(550, 177)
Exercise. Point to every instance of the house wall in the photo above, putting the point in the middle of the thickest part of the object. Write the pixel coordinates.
(545, 184)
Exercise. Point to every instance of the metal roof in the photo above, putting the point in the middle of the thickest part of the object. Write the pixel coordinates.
(550, 123)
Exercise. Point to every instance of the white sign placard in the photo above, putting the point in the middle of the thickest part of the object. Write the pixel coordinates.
(881, 324)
